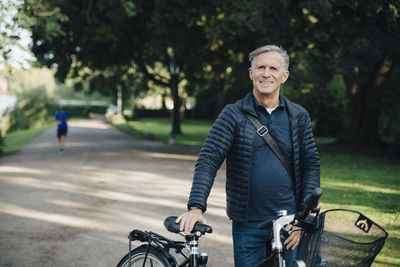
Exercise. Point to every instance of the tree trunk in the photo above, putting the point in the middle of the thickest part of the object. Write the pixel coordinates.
(163, 99)
(119, 102)
(182, 107)
(175, 115)
(364, 106)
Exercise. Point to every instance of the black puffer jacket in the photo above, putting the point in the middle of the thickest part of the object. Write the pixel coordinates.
(232, 136)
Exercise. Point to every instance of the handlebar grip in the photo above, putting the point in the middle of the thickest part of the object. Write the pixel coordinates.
(265, 224)
(174, 227)
(311, 202)
(170, 224)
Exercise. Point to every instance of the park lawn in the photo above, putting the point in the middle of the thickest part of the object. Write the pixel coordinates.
(194, 131)
(16, 139)
(350, 178)
(369, 184)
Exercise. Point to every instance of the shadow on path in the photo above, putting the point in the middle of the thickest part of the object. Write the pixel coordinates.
(76, 208)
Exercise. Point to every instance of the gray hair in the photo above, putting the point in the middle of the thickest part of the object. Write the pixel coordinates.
(270, 48)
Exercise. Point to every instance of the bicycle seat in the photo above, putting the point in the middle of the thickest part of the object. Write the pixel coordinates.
(174, 227)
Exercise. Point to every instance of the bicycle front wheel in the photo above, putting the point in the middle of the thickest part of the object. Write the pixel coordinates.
(156, 257)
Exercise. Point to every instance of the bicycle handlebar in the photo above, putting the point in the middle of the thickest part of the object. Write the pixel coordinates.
(266, 224)
(173, 227)
(310, 203)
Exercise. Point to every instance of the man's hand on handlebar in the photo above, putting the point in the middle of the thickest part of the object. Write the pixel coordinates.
(294, 239)
(189, 219)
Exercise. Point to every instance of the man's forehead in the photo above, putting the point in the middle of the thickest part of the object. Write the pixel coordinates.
(269, 58)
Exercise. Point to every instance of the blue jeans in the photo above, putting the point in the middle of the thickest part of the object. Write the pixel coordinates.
(250, 246)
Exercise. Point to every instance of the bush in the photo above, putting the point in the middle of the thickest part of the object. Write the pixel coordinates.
(77, 110)
(389, 127)
(1, 144)
(327, 106)
(140, 113)
(151, 113)
(32, 109)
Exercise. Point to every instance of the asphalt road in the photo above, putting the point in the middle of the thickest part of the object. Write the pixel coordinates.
(76, 209)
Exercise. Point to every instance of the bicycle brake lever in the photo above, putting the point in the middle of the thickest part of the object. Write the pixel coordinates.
(286, 233)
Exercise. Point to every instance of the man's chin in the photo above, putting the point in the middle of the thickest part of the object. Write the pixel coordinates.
(266, 90)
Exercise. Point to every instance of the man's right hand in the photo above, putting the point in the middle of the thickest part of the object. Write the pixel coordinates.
(188, 219)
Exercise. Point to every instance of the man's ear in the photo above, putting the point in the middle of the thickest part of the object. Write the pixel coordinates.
(250, 73)
(285, 76)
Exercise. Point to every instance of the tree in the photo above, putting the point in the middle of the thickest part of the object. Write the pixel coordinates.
(121, 40)
(199, 47)
(359, 40)
(174, 43)
(355, 39)
(13, 26)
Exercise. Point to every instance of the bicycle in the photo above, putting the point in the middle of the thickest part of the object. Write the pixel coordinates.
(336, 237)
(307, 220)
(321, 245)
(161, 251)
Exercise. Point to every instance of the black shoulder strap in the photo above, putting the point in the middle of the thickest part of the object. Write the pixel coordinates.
(269, 140)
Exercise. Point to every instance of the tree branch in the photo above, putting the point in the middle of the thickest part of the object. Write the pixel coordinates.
(150, 76)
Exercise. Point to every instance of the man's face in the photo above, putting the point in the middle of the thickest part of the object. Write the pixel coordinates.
(267, 74)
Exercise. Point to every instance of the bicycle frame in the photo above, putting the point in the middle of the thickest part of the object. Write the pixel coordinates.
(277, 258)
(304, 219)
(154, 240)
(276, 244)
(195, 259)
(164, 244)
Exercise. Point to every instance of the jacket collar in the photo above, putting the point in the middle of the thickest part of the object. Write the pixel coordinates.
(246, 104)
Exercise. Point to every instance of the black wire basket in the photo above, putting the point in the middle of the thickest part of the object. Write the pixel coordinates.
(345, 238)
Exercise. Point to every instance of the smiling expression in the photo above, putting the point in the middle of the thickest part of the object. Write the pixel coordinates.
(267, 75)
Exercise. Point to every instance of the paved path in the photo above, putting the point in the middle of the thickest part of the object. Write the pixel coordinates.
(76, 209)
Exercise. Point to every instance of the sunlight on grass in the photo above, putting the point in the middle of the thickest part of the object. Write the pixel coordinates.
(194, 132)
(390, 253)
(368, 188)
(370, 185)
(16, 139)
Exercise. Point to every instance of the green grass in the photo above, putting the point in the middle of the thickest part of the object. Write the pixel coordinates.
(194, 132)
(351, 178)
(16, 139)
(369, 184)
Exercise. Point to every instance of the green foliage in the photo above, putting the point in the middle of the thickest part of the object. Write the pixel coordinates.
(389, 119)
(31, 110)
(139, 113)
(136, 44)
(207, 104)
(327, 106)
(77, 110)
(1, 143)
(13, 26)
(21, 80)
(13, 141)
(365, 61)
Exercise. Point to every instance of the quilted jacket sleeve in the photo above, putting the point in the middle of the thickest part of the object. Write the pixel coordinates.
(309, 163)
(213, 153)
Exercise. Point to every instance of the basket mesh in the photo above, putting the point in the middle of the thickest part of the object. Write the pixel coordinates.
(345, 238)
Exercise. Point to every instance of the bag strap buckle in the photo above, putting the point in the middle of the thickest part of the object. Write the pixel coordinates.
(262, 131)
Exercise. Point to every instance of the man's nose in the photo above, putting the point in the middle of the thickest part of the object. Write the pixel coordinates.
(266, 72)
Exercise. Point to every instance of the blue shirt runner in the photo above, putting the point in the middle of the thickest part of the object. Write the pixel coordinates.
(63, 117)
